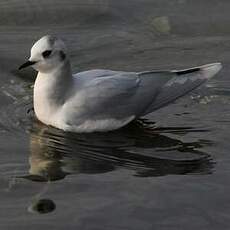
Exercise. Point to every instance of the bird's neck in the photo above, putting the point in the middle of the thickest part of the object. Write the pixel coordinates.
(51, 90)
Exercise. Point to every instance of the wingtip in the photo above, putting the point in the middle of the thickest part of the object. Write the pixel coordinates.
(211, 69)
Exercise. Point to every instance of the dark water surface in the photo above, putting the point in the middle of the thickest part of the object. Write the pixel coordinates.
(170, 170)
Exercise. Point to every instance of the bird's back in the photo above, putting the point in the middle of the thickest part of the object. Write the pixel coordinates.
(107, 100)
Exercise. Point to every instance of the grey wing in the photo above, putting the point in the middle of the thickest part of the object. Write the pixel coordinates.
(182, 82)
(87, 75)
(118, 96)
(110, 96)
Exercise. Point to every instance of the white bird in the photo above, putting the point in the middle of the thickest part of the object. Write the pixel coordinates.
(99, 99)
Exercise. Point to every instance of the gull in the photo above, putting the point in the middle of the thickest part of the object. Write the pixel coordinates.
(101, 100)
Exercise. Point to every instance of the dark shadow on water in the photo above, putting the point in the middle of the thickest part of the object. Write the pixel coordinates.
(42, 206)
(139, 147)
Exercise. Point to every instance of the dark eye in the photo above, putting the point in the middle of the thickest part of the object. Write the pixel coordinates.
(46, 53)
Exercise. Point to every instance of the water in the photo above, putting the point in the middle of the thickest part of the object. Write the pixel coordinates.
(169, 170)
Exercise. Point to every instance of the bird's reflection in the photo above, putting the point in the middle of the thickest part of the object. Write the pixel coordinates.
(139, 147)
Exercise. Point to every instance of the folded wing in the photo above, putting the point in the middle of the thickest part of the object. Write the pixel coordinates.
(120, 95)
(182, 82)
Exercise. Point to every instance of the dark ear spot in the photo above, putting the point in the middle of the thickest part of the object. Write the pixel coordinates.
(62, 55)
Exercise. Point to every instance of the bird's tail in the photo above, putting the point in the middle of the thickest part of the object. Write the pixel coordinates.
(182, 82)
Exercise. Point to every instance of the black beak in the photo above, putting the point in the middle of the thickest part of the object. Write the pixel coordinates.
(28, 63)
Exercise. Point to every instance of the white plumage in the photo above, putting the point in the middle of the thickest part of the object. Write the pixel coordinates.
(102, 100)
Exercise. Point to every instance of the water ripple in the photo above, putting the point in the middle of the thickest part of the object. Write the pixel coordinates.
(55, 154)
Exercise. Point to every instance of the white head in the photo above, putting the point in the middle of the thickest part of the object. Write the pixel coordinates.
(47, 54)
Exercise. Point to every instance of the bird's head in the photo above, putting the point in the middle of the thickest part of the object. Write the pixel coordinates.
(47, 54)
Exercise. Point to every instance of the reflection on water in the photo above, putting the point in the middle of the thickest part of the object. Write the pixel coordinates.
(139, 147)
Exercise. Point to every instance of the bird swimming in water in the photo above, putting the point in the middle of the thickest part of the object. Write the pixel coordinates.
(100, 99)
